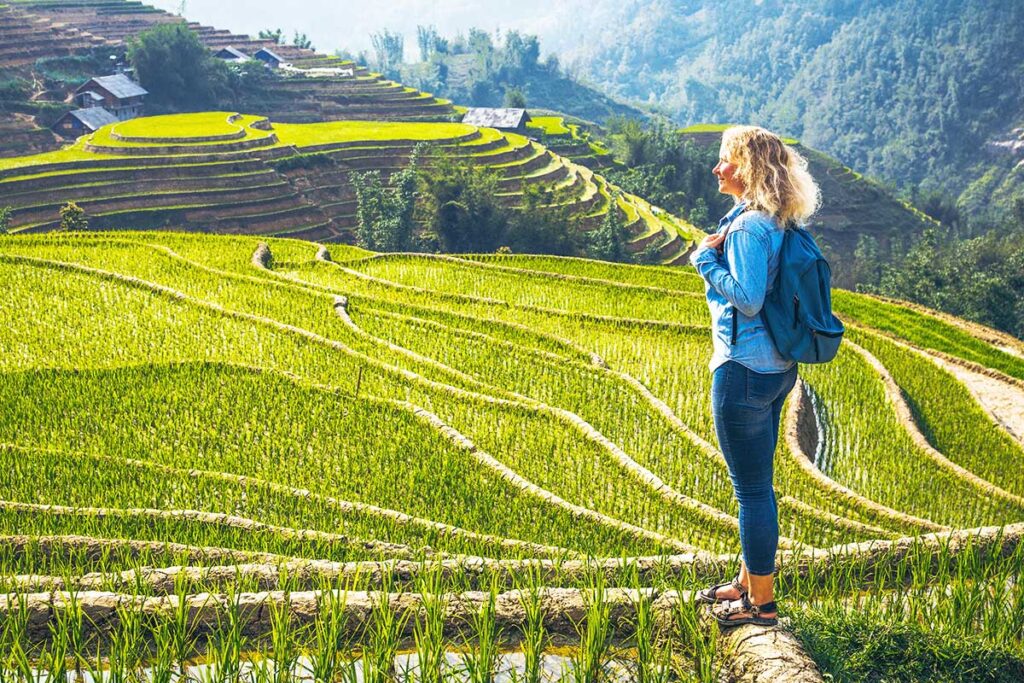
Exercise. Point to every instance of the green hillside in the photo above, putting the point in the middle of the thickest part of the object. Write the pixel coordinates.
(919, 94)
(50, 48)
(860, 224)
(260, 413)
(233, 173)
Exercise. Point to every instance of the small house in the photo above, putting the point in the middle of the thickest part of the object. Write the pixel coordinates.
(118, 94)
(513, 120)
(230, 54)
(269, 57)
(82, 121)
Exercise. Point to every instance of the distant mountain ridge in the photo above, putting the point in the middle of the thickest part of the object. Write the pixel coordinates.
(907, 91)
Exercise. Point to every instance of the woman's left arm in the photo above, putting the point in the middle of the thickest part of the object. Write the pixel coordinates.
(742, 277)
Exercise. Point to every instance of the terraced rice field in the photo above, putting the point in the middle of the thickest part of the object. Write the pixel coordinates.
(240, 173)
(238, 459)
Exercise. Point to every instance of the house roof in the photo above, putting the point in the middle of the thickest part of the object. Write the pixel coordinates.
(487, 117)
(93, 118)
(266, 52)
(94, 96)
(232, 53)
(119, 85)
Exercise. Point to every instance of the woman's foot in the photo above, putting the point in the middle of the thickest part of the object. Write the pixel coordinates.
(743, 611)
(722, 592)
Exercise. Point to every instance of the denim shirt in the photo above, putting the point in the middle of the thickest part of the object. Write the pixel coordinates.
(736, 282)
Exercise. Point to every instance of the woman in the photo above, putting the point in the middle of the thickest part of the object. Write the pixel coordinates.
(750, 380)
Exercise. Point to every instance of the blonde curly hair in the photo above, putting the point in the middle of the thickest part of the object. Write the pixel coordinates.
(774, 174)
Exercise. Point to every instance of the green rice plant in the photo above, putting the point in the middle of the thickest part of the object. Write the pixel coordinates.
(533, 633)
(428, 628)
(382, 637)
(226, 644)
(697, 644)
(284, 641)
(330, 647)
(16, 648)
(482, 641)
(591, 659)
(127, 646)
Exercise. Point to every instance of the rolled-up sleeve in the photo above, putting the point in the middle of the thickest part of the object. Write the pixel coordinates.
(742, 275)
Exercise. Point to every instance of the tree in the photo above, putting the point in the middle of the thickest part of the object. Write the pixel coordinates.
(460, 206)
(543, 224)
(276, 35)
(5, 220)
(385, 214)
(515, 98)
(301, 40)
(607, 242)
(177, 69)
(72, 218)
(427, 40)
(389, 48)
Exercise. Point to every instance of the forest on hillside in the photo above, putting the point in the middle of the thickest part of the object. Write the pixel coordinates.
(918, 94)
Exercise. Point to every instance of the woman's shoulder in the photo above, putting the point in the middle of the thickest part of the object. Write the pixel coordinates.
(756, 220)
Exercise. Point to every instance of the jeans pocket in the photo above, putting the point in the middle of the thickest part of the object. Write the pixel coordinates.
(762, 389)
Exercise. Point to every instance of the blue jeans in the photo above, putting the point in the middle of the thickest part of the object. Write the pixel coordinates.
(747, 406)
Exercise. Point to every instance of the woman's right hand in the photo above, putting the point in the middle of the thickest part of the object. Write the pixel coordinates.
(713, 241)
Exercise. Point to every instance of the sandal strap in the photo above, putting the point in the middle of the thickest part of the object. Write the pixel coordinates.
(756, 610)
(712, 591)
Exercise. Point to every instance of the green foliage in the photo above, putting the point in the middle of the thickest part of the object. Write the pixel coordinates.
(5, 219)
(514, 98)
(981, 278)
(857, 645)
(302, 40)
(543, 224)
(460, 206)
(71, 70)
(179, 72)
(389, 49)
(276, 35)
(72, 218)
(666, 168)
(608, 241)
(13, 89)
(911, 92)
(385, 213)
(480, 68)
(427, 39)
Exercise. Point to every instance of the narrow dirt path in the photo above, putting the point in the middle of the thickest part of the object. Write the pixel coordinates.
(1002, 400)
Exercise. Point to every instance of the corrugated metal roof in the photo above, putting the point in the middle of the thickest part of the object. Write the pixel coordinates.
(93, 118)
(95, 97)
(119, 85)
(486, 117)
(235, 53)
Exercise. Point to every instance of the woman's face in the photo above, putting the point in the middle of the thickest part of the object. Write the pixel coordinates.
(728, 183)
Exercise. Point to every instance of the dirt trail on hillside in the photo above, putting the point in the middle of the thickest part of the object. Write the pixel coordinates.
(1002, 400)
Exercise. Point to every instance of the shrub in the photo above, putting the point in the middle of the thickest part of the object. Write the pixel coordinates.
(72, 218)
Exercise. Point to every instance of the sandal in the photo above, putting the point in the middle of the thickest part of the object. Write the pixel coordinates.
(742, 605)
(709, 596)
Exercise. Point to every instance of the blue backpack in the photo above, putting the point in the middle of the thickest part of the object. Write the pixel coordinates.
(798, 311)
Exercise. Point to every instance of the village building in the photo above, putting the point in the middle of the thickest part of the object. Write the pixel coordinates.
(513, 120)
(82, 121)
(118, 94)
(230, 54)
(269, 57)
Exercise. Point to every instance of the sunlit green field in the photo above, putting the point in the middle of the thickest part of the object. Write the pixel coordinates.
(289, 420)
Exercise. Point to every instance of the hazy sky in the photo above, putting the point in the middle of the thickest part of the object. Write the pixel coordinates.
(347, 25)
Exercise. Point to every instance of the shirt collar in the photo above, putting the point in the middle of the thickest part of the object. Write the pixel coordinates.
(735, 211)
